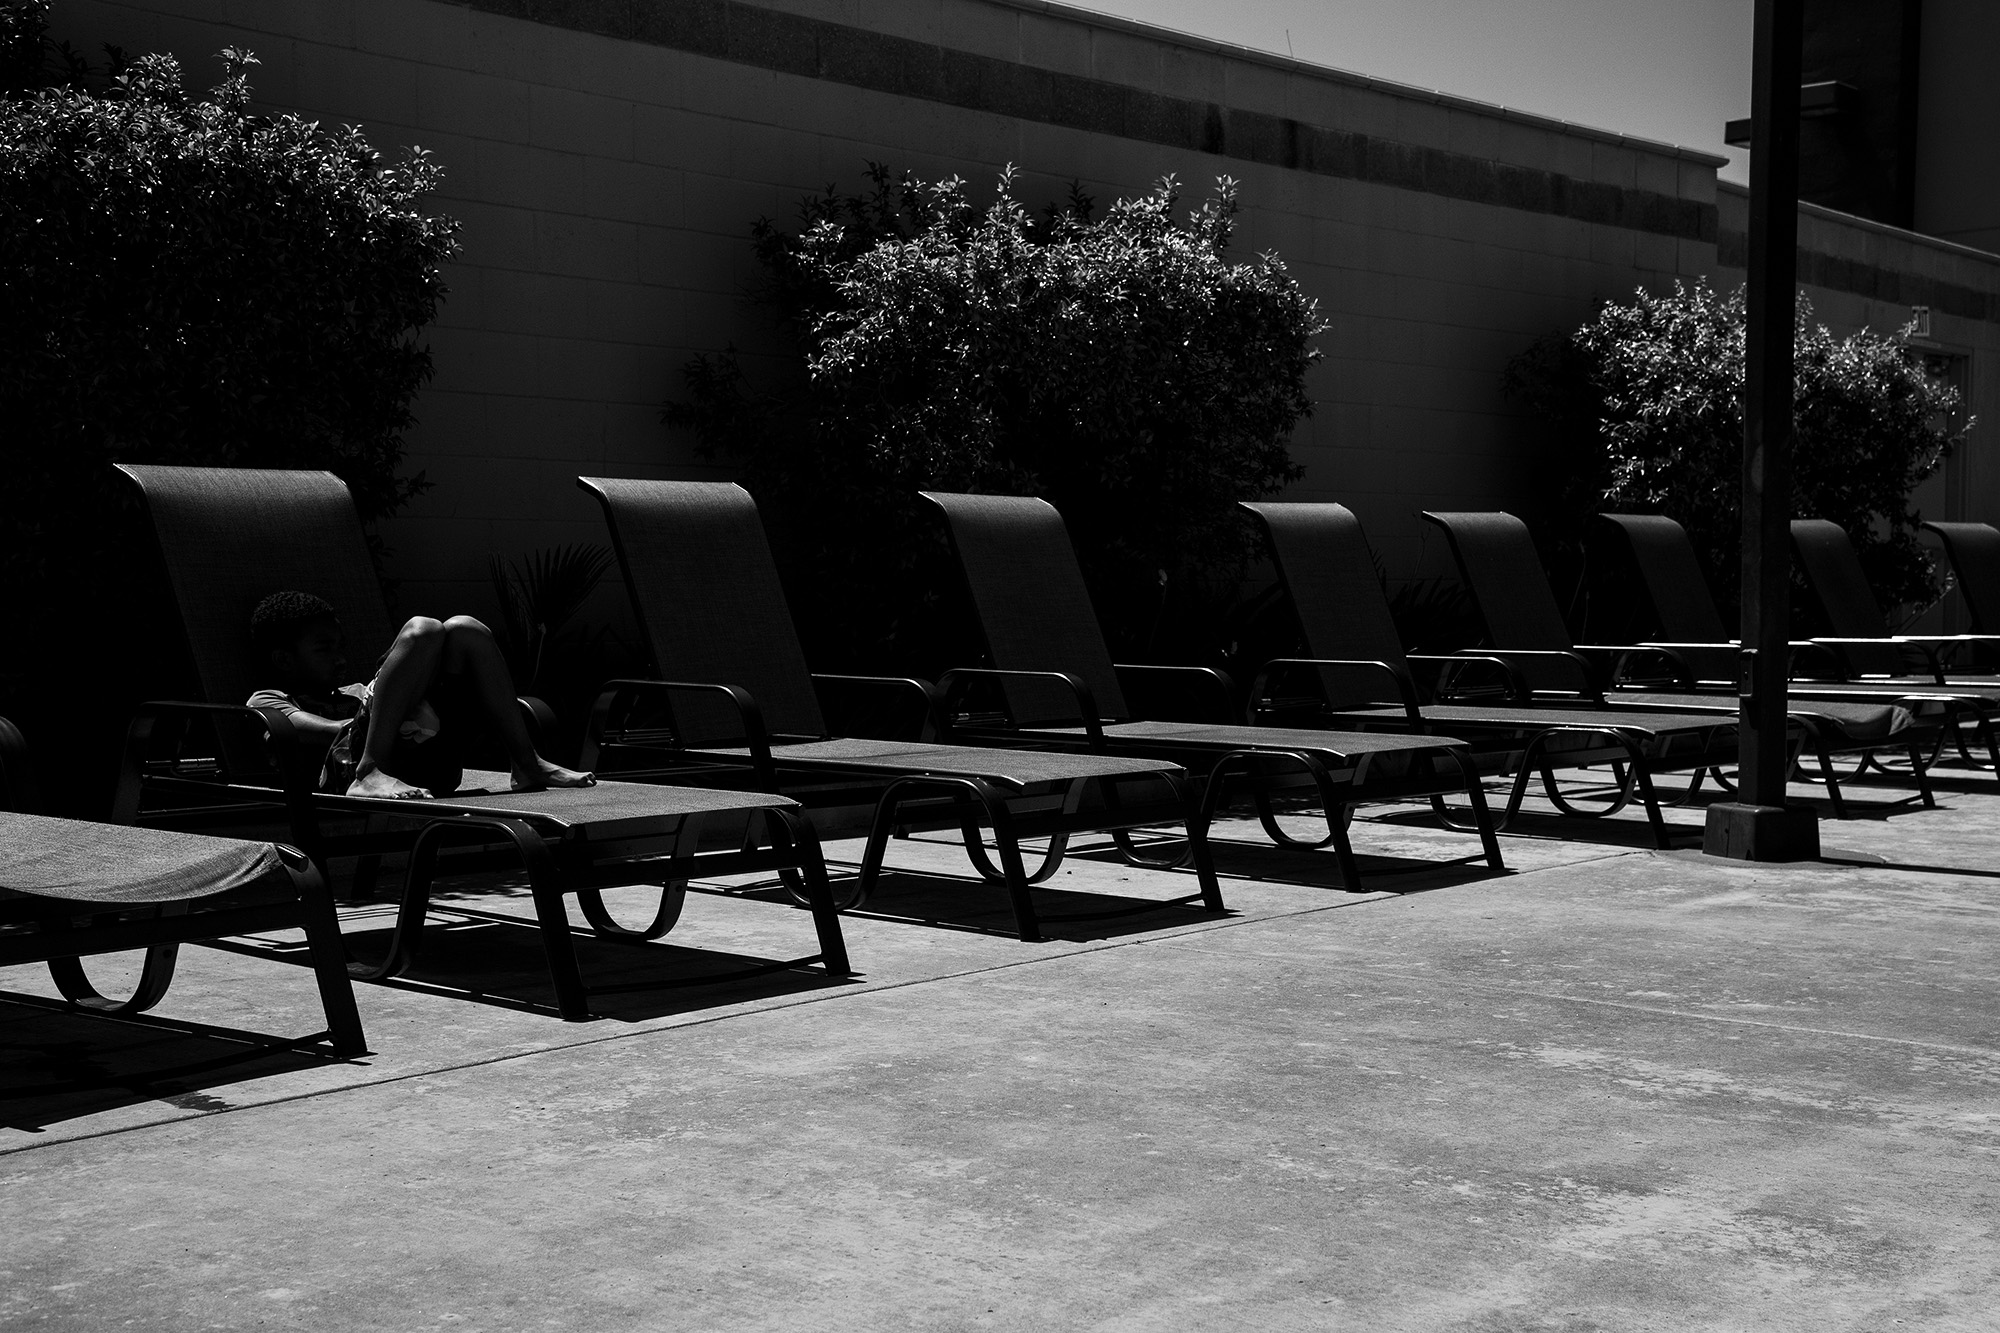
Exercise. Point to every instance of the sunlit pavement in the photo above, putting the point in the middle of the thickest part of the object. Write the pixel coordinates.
(1612, 1089)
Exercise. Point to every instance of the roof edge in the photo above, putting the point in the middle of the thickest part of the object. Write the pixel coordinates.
(1251, 54)
(1865, 224)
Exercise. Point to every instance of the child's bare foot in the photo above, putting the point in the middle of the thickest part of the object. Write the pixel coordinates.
(380, 786)
(545, 774)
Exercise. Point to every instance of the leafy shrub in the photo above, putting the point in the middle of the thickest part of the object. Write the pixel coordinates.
(551, 652)
(182, 281)
(1120, 367)
(1662, 379)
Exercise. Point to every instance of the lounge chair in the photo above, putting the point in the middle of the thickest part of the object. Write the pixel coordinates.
(1863, 655)
(738, 705)
(1974, 552)
(1862, 641)
(1364, 679)
(229, 538)
(70, 889)
(1496, 560)
(1050, 662)
(1691, 631)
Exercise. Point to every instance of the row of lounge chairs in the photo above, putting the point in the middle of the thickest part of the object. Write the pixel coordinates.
(722, 762)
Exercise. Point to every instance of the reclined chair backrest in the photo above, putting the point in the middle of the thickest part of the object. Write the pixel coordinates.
(706, 594)
(1664, 558)
(1498, 564)
(1497, 560)
(1324, 559)
(1022, 573)
(1974, 552)
(1833, 570)
(233, 536)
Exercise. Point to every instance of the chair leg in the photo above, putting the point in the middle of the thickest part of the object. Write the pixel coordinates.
(1198, 850)
(155, 976)
(1267, 815)
(798, 831)
(1826, 771)
(545, 883)
(406, 937)
(329, 956)
(974, 795)
(1923, 773)
(1642, 778)
(1475, 795)
(368, 867)
(1029, 925)
(1985, 732)
(673, 892)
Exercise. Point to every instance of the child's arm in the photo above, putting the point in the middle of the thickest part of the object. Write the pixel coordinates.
(319, 730)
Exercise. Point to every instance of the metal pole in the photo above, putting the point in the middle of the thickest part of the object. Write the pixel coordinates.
(1759, 826)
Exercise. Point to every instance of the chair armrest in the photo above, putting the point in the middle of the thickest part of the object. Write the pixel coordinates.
(1614, 661)
(1214, 687)
(1926, 647)
(920, 698)
(614, 692)
(1336, 670)
(1586, 681)
(951, 686)
(1938, 648)
(541, 720)
(1448, 668)
(288, 753)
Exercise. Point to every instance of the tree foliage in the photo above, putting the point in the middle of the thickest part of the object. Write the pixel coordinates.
(1661, 376)
(1119, 366)
(185, 281)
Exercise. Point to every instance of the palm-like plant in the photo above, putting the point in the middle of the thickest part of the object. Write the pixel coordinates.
(539, 598)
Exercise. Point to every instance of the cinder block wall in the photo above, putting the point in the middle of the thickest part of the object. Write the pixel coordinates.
(607, 161)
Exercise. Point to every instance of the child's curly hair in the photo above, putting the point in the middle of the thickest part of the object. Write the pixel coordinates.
(280, 618)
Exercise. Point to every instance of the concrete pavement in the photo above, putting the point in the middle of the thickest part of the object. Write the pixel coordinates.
(1616, 1089)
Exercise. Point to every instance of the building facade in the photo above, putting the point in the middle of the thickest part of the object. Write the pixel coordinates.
(608, 159)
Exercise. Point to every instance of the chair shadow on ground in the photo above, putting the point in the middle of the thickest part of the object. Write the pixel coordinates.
(496, 958)
(58, 1063)
(1257, 859)
(959, 902)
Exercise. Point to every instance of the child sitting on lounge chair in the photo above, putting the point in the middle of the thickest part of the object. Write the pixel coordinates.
(396, 735)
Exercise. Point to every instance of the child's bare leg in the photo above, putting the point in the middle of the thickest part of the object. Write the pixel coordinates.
(469, 651)
(405, 678)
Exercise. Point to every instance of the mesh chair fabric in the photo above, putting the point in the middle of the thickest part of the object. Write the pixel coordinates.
(707, 596)
(1974, 551)
(1498, 565)
(1323, 558)
(1019, 767)
(1021, 571)
(80, 861)
(1833, 570)
(233, 536)
(1665, 560)
(1497, 561)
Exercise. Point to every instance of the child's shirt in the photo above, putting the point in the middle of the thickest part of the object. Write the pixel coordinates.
(343, 706)
(349, 706)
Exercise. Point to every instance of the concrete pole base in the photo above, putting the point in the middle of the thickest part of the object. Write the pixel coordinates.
(1761, 832)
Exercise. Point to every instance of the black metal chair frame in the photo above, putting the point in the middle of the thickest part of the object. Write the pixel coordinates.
(1244, 764)
(223, 763)
(1708, 654)
(1587, 674)
(67, 930)
(941, 785)
(901, 803)
(560, 858)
